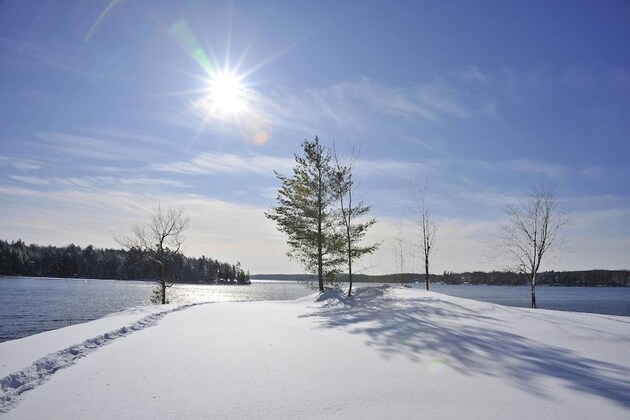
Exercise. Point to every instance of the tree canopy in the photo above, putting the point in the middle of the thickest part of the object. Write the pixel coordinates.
(534, 229)
(20, 259)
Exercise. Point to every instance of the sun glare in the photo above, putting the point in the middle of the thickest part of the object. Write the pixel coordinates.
(227, 94)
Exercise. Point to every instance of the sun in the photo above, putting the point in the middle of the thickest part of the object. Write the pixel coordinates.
(226, 93)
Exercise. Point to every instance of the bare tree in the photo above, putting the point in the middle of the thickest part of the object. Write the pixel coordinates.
(534, 228)
(427, 229)
(398, 244)
(160, 240)
(354, 231)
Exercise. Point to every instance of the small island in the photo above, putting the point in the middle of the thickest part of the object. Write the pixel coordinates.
(31, 260)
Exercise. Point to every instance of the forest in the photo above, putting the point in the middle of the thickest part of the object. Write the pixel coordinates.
(592, 278)
(19, 259)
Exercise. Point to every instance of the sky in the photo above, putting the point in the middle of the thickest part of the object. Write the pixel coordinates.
(110, 108)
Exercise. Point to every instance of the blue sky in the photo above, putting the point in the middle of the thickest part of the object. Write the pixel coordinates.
(107, 108)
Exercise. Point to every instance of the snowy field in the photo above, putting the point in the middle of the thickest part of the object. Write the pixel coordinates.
(385, 353)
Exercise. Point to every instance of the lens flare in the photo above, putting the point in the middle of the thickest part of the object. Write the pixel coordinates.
(182, 32)
(437, 367)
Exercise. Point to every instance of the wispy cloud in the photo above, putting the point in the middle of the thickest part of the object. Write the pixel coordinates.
(396, 168)
(368, 169)
(358, 106)
(227, 163)
(73, 145)
(599, 203)
(528, 166)
(20, 163)
(150, 181)
(366, 93)
(433, 145)
(599, 172)
(443, 96)
(105, 145)
(550, 170)
(461, 93)
(129, 137)
(96, 181)
(29, 179)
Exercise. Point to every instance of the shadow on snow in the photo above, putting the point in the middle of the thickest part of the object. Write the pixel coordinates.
(430, 327)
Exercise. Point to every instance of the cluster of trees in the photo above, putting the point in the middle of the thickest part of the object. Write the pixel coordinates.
(618, 278)
(318, 211)
(480, 277)
(315, 209)
(20, 259)
(549, 278)
(534, 228)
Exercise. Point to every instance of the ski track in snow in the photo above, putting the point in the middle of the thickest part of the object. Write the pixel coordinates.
(13, 385)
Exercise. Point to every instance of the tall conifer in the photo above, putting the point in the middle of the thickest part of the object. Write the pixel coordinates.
(305, 212)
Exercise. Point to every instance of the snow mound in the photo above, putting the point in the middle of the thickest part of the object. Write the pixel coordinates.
(332, 295)
(11, 386)
(361, 295)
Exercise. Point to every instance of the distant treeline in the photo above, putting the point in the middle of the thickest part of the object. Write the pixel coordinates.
(19, 259)
(591, 278)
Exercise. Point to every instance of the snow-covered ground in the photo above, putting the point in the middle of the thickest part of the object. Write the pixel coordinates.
(385, 353)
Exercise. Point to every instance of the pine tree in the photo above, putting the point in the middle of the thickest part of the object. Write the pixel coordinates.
(305, 212)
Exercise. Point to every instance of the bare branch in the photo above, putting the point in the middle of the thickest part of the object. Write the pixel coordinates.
(534, 229)
(160, 240)
(427, 228)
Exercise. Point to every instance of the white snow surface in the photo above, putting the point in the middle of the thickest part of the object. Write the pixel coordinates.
(384, 353)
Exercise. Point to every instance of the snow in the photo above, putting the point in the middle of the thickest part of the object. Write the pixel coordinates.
(385, 352)
(16, 354)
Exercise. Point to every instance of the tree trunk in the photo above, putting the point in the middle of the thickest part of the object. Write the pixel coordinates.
(320, 261)
(426, 269)
(163, 284)
(320, 274)
(350, 271)
(533, 285)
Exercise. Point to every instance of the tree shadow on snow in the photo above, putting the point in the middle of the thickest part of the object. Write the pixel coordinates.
(427, 326)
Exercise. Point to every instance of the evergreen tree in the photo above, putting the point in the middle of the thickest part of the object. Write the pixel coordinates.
(305, 212)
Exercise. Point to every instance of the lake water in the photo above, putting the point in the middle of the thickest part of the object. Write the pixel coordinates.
(33, 305)
(597, 300)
